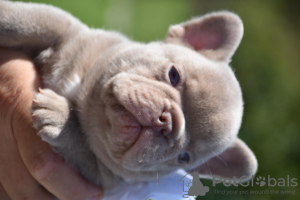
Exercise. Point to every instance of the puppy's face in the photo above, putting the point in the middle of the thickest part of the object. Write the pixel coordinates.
(169, 105)
(172, 104)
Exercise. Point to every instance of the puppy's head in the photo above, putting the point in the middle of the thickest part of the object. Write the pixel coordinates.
(172, 104)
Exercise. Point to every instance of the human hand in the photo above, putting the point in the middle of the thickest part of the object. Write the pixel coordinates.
(28, 165)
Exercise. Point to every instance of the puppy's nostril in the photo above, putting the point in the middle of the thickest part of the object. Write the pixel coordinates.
(164, 124)
(162, 119)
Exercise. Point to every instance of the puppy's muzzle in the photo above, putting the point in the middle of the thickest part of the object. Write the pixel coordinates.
(150, 103)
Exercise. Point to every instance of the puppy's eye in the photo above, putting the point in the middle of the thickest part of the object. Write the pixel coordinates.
(174, 76)
(183, 158)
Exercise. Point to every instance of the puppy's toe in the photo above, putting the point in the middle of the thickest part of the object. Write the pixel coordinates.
(49, 134)
(42, 117)
(48, 99)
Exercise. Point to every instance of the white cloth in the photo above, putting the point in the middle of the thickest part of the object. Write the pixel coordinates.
(167, 188)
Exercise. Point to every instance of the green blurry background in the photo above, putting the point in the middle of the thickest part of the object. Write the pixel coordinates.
(266, 64)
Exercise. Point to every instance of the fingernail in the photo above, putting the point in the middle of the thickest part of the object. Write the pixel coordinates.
(43, 164)
(35, 101)
(40, 90)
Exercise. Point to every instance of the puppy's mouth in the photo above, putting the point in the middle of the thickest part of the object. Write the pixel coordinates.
(133, 127)
(138, 146)
(140, 139)
(125, 126)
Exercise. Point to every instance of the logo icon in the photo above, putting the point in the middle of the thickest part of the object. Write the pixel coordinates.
(196, 189)
(261, 181)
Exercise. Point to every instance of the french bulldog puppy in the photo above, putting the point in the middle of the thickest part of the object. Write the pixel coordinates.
(120, 110)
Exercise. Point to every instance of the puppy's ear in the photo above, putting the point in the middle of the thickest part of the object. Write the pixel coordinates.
(237, 160)
(216, 35)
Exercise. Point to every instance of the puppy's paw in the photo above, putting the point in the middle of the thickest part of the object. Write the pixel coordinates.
(50, 113)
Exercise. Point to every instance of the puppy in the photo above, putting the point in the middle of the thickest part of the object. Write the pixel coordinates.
(119, 110)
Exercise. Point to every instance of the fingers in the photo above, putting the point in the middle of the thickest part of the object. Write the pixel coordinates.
(16, 182)
(44, 165)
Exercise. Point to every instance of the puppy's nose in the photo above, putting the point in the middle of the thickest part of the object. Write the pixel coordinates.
(163, 124)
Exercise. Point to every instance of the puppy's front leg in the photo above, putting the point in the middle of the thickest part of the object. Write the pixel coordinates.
(57, 125)
(51, 115)
(34, 27)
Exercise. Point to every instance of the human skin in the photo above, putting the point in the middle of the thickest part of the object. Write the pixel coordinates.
(28, 167)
